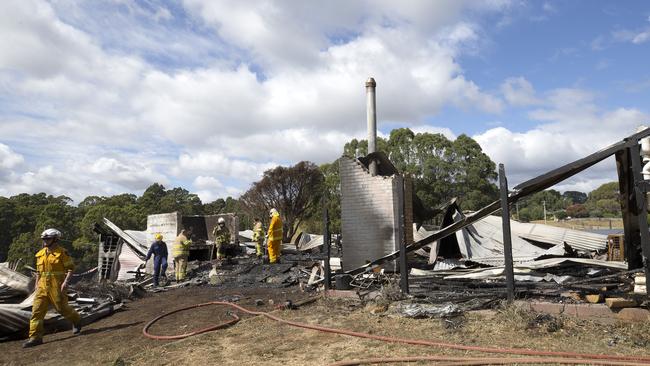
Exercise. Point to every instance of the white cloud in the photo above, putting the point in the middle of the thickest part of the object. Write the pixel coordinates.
(641, 37)
(548, 7)
(84, 176)
(209, 188)
(219, 165)
(203, 182)
(260, 84)
(598, 43)
(9, 158)
(571, 126)
(134, 175)
(289, 35)
(519, 92)
(633, 36)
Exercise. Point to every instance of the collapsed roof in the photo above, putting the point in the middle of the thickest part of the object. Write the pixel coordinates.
(482, 241)
(524, 189)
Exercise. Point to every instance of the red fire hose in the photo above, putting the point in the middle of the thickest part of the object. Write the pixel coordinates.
(453, 361)
(568, 357)
(226, 324)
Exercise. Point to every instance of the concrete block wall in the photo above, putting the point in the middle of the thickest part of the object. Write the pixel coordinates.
(368, 214)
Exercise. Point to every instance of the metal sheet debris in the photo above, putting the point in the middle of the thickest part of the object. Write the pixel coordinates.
(416, 310)
(12, 283)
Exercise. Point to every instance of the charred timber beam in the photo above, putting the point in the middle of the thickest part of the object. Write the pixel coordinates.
(641, 209)
(507, 240)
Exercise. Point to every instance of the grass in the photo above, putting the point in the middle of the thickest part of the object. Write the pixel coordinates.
(258, 341)
(586, 223)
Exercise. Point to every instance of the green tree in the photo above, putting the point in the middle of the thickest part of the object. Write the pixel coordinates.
(572, 197)
(604, 201)
(534, 205)
(331, 200)
(474, 174)
(442, 169)
(31, 214)
(24, 247)
(294, 191)
(360, 147)
(577, 210)
(215, 207)
(150, 199)
(7, 217)
(180, 199)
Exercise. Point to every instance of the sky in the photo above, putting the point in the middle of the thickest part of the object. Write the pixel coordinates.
(102, 98)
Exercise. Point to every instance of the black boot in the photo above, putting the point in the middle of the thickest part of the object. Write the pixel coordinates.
(33, 342)
(76, 328)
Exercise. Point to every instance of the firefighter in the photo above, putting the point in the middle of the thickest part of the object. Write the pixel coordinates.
(221, 238)
(274, 236)
(258, 237)
(53, 271)
(181, 252)
(159, 251)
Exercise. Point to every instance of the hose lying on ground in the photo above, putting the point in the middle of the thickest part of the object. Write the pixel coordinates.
(225, 324)
(453, 361)
(515, 351)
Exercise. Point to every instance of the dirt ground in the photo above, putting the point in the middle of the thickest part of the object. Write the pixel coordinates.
(118, 340)
(120, 336)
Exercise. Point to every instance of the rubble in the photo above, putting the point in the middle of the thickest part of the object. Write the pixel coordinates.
(13, 284)
(92, 302)
(418, 310)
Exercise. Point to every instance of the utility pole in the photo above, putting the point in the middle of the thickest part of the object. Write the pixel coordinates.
(517, 207)
(544, 202)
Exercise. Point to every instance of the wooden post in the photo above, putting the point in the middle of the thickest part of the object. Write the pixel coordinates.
(640, 189)
(632, 241)
(326, 245)
(507, 240)
(403, 265)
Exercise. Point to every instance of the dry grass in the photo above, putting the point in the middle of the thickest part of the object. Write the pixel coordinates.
(258, 341)
(586, 224)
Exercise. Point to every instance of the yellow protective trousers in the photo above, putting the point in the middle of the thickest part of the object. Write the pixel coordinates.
(217, 247)
(274, 250)
(47, 295)
(259, 248)
(180, 267)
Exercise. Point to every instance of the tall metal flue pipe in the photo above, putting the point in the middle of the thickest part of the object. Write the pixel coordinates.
(371, 115)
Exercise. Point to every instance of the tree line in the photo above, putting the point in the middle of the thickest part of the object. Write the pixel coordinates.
(441, 169)
(603, 201)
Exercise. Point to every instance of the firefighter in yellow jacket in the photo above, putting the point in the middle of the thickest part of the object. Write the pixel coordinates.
(181, 252)
(274, 236)
(258, 237)
(53, 271)
(221, 238)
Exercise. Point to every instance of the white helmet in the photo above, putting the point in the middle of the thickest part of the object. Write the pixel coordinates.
(51, 233)
(221, 220)
(273, 212)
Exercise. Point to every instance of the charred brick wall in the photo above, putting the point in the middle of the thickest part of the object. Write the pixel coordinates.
(369, 220)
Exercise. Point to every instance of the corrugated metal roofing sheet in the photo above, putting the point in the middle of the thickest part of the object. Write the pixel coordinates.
(538, 264)
(13, 281)
(309, 241)
(576, 239)
(137, 245)
(13, 319)
(482, 242)
(129, 261)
